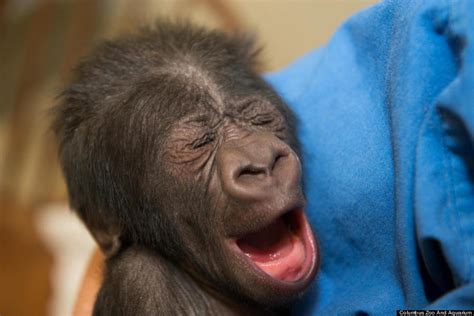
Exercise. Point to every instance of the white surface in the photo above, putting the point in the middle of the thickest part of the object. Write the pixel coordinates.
(72, 246)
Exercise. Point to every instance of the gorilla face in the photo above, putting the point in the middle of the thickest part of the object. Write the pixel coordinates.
(238, 197)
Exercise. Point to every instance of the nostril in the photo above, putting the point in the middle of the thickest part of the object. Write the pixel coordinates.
(260, 171)
(252, 171)
(277, 159)
(280, 159)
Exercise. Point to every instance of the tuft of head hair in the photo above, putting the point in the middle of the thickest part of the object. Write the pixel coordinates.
(117, 66)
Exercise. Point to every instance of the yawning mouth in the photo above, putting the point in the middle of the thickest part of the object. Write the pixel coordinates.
(285, 249)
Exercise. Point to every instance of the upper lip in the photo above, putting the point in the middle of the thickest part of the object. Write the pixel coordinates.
(270, 216)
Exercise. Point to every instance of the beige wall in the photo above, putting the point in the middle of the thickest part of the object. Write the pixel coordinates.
(285, 28)
(289, 28)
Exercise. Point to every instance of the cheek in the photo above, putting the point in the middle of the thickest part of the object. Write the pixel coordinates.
(194, 200)
(197, 204)
(185, 163)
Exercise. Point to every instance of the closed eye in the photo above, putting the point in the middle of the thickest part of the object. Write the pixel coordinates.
(206, 139)
(262, 120)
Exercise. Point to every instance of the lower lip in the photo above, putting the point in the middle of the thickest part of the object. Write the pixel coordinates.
(303, 241)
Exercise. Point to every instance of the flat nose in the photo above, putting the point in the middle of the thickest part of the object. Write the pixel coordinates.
(257, 165)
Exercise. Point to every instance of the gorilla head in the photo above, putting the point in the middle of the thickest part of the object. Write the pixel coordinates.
(183, 163)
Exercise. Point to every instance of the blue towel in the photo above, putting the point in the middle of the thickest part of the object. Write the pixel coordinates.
(386, 114)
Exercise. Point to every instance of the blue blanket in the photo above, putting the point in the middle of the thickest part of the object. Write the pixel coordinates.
(386, 114)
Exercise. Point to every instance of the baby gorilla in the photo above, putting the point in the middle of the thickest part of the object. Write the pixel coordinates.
(182, 162)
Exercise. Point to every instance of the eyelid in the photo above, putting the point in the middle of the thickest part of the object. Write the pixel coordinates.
(205, 139)
(262, 119)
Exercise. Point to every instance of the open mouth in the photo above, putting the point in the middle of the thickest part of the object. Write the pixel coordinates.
(285, 249)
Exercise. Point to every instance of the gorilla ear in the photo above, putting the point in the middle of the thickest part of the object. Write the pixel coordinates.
(109, 240)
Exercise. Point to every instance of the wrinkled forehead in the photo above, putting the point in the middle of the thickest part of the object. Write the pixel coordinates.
(177, 98)
(191, 91)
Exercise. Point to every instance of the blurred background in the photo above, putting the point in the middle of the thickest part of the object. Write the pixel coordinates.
(43, 247)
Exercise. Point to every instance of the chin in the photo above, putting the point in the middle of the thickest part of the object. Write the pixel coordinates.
(281, 258)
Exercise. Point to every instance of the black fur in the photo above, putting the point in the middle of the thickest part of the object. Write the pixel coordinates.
(139, 129)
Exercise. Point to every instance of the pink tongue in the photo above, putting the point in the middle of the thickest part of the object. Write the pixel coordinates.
(269, 244)
(276, 251)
